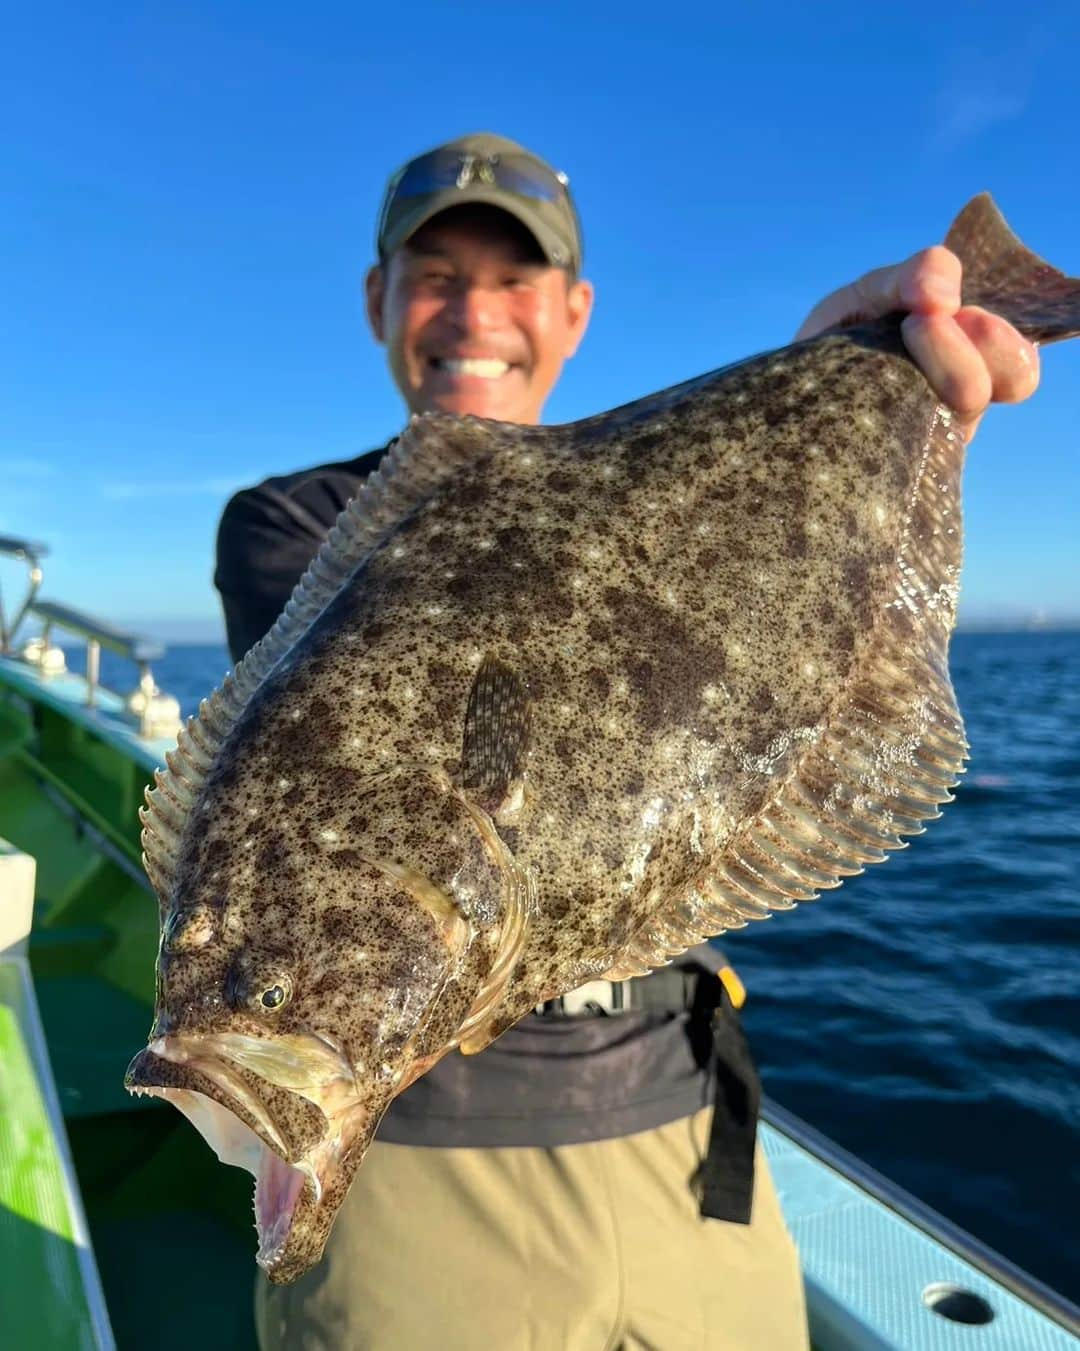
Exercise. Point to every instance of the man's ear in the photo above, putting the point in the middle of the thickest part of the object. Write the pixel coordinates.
(374, 291)
(579, 301)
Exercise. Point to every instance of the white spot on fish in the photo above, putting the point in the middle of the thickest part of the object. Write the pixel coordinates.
(651, 815)
(807, 386)
(485, 543)
(621, 688)
(577, 582)
(865, 420)
(330, 836)
(879, 513)
(594, 552)
(813, 527)
(253, 812)
(398, 551)
(813, 450)
(294, 714)
(823, 476)
(809, 668)
(248, 844)
(356, 742)
(434, 610)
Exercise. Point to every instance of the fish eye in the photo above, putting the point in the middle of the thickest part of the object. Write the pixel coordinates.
(275, 996)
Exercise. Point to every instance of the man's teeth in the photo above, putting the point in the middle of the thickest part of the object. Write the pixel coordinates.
(487, 368)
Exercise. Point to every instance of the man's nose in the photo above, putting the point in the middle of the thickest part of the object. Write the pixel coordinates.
(479, 309)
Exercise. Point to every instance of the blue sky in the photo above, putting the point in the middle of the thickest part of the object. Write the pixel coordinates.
(187, 197)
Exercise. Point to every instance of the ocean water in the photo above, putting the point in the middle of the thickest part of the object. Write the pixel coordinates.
(925, 1015)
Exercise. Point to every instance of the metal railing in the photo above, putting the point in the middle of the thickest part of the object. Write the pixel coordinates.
(31, 553)
(158, 714)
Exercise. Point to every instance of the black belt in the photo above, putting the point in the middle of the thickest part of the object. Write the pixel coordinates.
(725, 1178)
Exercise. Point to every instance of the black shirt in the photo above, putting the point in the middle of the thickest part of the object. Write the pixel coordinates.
(543, 1082)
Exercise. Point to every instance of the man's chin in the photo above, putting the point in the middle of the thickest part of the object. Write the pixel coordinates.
(506, 399)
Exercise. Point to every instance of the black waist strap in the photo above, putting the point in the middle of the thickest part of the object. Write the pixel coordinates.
(726, 1176)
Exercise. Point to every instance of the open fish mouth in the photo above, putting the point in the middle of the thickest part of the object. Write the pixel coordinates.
(219, 1100)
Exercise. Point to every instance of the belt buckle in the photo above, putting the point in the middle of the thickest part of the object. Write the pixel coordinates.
(593, 996)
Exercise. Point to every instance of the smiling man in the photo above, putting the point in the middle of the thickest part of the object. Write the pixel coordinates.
(548, 1194)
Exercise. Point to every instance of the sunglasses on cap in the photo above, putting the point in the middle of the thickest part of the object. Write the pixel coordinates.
(441, 169)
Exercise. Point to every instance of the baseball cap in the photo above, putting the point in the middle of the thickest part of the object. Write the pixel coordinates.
(489, 169)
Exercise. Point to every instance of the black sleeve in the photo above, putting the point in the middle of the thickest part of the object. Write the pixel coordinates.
(267, 537)
(262, 552)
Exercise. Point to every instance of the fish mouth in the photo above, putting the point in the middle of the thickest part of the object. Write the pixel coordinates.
(210, 1080)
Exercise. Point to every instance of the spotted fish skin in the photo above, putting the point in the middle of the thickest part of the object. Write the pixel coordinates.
(557, 703)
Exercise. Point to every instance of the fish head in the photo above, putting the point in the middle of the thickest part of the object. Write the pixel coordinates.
(293, 1003)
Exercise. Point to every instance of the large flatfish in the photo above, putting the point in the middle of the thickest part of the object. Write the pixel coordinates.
(556, 703)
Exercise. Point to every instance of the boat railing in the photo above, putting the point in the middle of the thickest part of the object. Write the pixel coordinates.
(157, 714)
(31, 553)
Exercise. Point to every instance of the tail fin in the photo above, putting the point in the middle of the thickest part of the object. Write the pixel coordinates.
(1001, 275)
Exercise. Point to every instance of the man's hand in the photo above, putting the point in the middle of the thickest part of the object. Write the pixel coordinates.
(972, 358)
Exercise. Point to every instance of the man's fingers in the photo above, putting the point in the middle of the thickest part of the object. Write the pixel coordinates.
(950, 361)
(927, 283)
(1012, 361)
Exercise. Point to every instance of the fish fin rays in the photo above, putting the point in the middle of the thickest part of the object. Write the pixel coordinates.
(1004, 276)
(495, 743)
(883, 761)
(429, 452)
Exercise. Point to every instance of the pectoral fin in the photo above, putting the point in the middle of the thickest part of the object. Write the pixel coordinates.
(495, 745)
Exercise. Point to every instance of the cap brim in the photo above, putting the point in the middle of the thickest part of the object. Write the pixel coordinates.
(553, 246)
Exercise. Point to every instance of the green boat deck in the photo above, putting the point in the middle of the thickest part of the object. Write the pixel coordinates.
(50, 1295)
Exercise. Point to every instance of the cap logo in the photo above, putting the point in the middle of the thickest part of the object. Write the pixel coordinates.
(476, 169)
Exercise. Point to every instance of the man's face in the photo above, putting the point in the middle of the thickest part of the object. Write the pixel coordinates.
(474, 319)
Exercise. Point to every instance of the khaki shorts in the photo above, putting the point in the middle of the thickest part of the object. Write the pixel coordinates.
(595, 1247)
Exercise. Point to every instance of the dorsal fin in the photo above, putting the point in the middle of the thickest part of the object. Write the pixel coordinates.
(427, 455)
(884, 759)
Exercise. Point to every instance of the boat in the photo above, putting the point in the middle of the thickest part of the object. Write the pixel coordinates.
(120, 1228)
